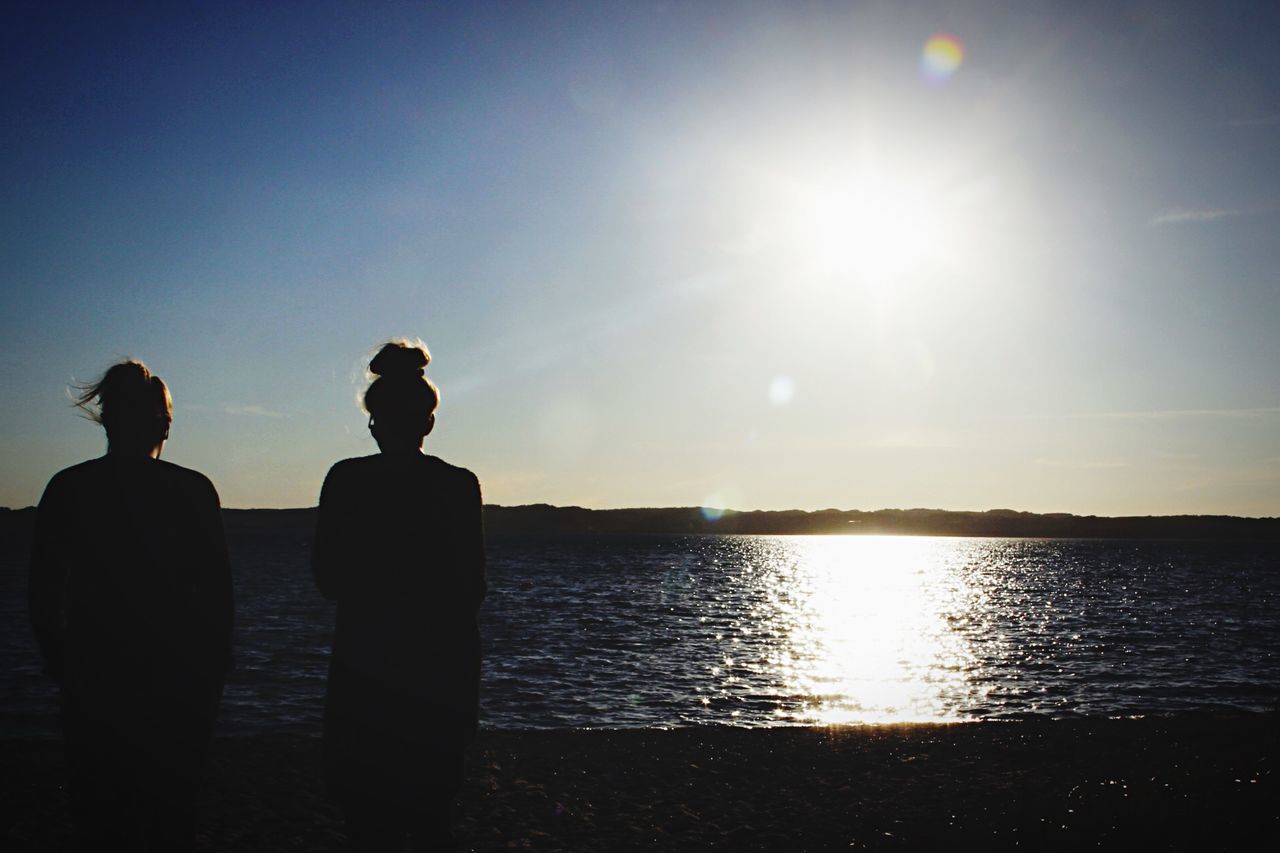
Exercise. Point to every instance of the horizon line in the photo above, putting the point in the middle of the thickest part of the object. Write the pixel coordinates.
(724, 510)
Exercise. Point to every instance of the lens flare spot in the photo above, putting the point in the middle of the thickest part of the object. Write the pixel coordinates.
(940, 58)
(781, 390)
(720, 502)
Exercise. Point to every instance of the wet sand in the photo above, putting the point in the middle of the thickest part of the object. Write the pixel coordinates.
(1193, 782)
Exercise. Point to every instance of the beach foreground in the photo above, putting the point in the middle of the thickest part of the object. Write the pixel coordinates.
(1192, 782)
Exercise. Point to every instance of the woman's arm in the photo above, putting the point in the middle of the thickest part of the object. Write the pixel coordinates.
(326, 564)
(47, 581)
(473, 556)
(219, 597)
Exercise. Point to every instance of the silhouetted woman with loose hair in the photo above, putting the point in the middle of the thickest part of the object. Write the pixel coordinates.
(399, 546)
(130, 600)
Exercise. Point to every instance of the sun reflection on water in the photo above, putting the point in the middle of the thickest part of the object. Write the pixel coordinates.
(869, 634)
(801, 630)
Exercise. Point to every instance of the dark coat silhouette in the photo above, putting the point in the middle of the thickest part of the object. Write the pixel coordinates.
(131, 604)
(400, 547)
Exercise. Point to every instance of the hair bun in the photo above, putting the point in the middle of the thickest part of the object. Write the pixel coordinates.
(400, 358)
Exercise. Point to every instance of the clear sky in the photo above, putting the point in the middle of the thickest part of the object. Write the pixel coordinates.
(756, 255)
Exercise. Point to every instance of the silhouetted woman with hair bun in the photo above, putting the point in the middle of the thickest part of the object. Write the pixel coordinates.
(400, 547)
(130, 600)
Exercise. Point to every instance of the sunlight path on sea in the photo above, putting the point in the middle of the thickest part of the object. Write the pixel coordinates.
(865, 627)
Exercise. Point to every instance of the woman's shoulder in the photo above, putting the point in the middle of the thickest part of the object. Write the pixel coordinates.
(460, 483)
(103, 474)
(80, 471)
(75, 477)
(350, 473)
(188, 479)
(456, 473)
(357, 471)
(353, 466)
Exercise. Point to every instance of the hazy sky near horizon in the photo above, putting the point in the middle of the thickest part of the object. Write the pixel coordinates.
(731, 254)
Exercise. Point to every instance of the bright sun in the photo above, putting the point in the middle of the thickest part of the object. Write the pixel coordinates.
(871, 227)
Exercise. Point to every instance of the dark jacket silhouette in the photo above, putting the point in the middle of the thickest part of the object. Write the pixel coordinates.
(400, 547)
(131, 604)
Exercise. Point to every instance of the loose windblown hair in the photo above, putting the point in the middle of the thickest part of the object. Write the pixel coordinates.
(131, 403)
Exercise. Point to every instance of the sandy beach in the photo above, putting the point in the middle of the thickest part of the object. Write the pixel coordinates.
(1193, 782)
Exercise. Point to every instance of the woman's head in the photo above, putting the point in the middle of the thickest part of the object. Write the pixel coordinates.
(132, 405)
(401, 402)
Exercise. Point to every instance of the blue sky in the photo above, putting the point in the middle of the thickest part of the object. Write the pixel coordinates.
(663, 254)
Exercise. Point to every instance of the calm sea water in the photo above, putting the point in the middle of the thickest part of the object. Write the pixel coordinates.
(783, 630)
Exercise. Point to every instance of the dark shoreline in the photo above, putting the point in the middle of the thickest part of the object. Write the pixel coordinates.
(1184, 782)
(298, 525)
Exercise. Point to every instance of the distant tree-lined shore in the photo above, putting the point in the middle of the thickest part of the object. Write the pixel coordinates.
(547, 519)
(923, 522)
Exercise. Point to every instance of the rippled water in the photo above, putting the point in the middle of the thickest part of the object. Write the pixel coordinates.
(759, 631)
(784, 630)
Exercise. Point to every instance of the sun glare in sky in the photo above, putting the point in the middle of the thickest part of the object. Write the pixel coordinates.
(859, 227)
(772, 256)
(871, 227)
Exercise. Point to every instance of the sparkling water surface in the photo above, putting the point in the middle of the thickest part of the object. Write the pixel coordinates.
(636, 631)
(769, 630)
